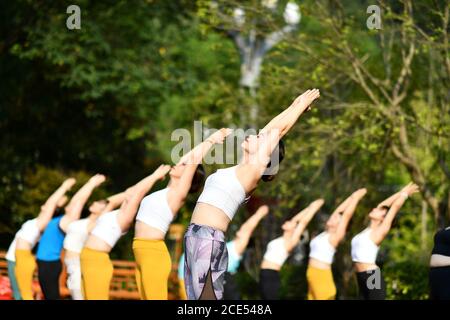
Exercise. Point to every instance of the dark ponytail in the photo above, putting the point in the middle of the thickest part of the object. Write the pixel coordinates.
(270, 173)
(198, 179)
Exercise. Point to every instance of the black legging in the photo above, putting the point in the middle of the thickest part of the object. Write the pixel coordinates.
(439, 278)
(269, 284)
(48, 273)
(370, 286)
(231, 289)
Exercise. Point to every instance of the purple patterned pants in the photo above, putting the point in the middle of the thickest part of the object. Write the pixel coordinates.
(205, 250)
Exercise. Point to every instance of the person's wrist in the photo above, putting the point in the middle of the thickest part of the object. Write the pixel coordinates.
(404, 194)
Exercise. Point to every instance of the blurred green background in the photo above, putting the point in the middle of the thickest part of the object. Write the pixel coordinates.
(106, 98)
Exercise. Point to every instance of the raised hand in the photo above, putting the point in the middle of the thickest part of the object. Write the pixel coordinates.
(69, 183)
(220, 135)
(307, 214)
(98, 179)
(359, 193)
(410, 188)
(316, 204)
(262, 211)
(161, 171)
(307, 98)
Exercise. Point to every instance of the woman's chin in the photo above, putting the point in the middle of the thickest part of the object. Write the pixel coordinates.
(174, 176)
(375, 220)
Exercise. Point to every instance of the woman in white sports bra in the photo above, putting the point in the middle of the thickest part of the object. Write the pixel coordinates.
(48, 255)
(155, 214)
(21, 262)
(96, 266)
(206, 256)
(76, 235)
(365, 245)
(279, 249)
(318, 274)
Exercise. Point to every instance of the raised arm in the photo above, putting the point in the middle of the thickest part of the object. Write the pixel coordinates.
(308, 213)
(114, 201)
(285, 120)
(302, 219)
(196, 155)
(190, 162)
(343, 205)
(389, 201)
(75, 207)
(382, 230)
(49, 207)
(276, 129)
(349, 210)
(135, 194)
(245, 231)
(278, 250)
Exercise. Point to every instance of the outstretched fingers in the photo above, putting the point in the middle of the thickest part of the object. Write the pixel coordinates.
(308, 97)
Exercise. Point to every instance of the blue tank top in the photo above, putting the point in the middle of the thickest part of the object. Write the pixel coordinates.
(51, 243)
(233, 262)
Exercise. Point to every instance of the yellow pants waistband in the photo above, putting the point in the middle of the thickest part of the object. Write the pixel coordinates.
(313, 273)
(88, 253)
(23, 252)
(139, 243)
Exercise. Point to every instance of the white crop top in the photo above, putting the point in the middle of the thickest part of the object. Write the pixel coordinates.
(321, 248)
(76, 235)
(11, 253)
(108, 229)
(155, 211)
(224, 191)
(363, 248)
(276, 251)
(29, 232)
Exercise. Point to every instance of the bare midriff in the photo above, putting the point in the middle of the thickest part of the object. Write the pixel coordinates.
(23, 244)
(144, 231)
(361, 266)
(208, 215)
(319, 264)
(98, 244)
(270, 265)
(439, 260)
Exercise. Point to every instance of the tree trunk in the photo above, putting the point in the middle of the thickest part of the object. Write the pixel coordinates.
(423, 234)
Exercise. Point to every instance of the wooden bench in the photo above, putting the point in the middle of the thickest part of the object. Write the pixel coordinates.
(123, 283)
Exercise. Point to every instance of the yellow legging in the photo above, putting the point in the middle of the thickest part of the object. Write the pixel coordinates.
(182, 289)
(25, 267)
(153, 267)
(320, 284)
(96, 272)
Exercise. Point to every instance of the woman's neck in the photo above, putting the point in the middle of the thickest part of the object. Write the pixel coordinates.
(255, 158)
(93, 216)
(374, 223)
